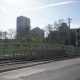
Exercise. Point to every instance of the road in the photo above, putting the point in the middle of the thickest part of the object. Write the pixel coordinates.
(60, 70)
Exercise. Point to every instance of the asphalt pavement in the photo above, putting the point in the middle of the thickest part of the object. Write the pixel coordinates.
(60, 70)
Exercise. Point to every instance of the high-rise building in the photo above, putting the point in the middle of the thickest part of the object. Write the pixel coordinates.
(23, 26)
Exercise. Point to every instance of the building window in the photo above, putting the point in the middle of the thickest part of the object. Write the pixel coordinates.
(78, 37)
(77, 30)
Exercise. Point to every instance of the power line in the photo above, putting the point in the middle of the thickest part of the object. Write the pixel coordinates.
(16, 16)
(19, 9)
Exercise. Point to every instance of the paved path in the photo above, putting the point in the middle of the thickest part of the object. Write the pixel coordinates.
(61, 70)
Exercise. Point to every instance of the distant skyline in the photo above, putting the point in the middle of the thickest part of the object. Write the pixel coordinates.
(40, 12)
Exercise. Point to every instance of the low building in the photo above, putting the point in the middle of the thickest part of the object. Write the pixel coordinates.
(75, 35)
(37, 32)
(76, 32)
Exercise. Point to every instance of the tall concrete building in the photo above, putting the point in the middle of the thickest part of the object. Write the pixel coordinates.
(23, 26)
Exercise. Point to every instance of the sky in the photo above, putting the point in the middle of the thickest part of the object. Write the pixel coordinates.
(40, 12)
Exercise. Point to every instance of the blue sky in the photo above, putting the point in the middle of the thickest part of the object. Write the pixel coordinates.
(41, 12)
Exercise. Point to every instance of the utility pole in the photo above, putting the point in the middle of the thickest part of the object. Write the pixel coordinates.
(69, 21)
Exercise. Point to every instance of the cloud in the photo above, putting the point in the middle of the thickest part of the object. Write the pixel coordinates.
(75, 26)
(4, 10)
(50, 5)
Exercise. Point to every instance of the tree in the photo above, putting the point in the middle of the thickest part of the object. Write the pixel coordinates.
(47, 29)
(1, 34)
(11, 32)
(62, 33)
(63, 27)
(59, 34)
(5, 34)
(56, 26)
(29, 38)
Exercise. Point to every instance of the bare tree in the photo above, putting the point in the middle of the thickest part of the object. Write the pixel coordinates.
(0, 34)
(56, 26)
(48, 29)
(4, 35)
(11, 32)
